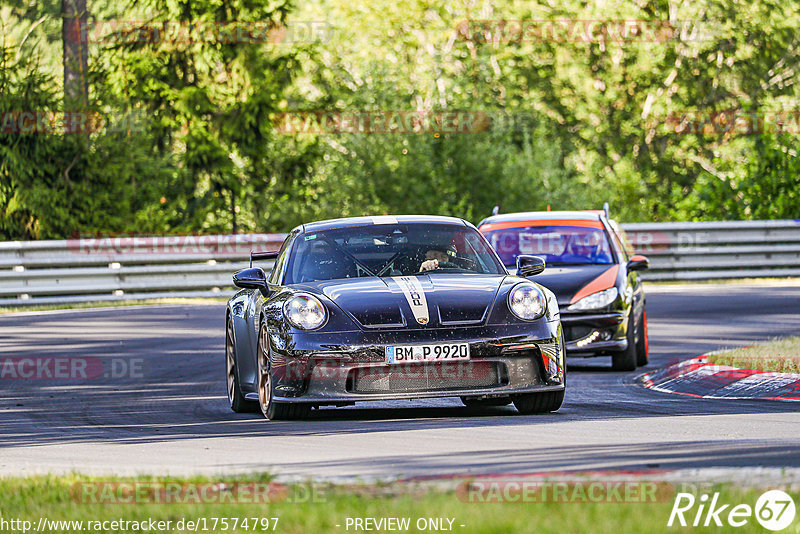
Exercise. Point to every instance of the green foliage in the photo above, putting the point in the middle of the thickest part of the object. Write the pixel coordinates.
(56, 184)
(573, 124)
(455, 174)
(210, 105)
(21, 157)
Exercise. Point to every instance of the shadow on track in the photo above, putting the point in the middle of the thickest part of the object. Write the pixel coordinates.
(181, 392)
(526, 461)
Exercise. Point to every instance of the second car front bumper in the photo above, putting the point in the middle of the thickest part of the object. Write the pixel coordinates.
(598, 333)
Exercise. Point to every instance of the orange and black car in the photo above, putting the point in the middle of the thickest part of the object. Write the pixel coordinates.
(593, 272)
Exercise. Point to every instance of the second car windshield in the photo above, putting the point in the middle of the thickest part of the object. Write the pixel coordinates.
(557, 245)
(389, 250)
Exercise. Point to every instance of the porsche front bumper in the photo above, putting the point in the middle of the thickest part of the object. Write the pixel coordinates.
(503, 362)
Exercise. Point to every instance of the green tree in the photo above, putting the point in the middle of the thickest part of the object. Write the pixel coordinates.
(210, 102)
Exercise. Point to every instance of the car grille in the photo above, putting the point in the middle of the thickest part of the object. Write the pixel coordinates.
(573, 333)
(421, 377)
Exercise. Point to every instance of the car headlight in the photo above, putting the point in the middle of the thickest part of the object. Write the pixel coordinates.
(601, 299)
(305, 312)
(527, 302)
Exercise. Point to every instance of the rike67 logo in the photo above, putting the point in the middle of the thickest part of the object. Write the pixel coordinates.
(774, 510)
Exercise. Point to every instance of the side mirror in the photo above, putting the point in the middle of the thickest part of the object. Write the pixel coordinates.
(529, 265)
(252, 278)
(638, 263)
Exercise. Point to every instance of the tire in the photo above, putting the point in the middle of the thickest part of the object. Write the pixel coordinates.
(547, 401)
(626, 360)
(236, 400)
(563, 354)
(272, 410)
(642, 344)
(472, 402)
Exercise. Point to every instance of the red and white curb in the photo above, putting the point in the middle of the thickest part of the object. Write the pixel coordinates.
(697, 377)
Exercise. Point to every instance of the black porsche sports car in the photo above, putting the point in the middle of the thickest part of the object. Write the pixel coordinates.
(593, 272)
(381, 308)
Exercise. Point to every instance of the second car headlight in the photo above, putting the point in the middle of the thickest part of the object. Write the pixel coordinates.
(305, 311)
(601, 299)
(527, 302)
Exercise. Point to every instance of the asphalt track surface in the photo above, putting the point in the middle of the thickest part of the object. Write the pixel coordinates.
(170, 415)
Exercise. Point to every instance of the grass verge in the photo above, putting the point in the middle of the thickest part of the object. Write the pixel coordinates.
(779, 355)
(327, 508)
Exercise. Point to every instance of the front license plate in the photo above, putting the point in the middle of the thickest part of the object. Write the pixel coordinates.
(427, 353)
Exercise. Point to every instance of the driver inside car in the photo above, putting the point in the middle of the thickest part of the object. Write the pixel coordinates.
(434, 257)
(585, 250)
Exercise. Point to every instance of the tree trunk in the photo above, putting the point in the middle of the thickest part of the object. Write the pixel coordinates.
(235, 227)
(76, 54)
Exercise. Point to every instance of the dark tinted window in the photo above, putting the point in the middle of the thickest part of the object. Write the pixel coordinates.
(279, 263)
(555, 244)
(389, 250)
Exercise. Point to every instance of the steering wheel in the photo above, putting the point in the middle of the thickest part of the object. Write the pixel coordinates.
(448, 265)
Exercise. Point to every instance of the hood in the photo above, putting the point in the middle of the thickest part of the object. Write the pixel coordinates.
(421, 301)
(566, 281)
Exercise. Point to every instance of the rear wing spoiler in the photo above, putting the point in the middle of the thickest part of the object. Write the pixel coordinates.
(271, 255)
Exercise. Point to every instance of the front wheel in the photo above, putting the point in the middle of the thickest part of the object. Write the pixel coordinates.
(642, 344)
(236, 400)
(547, 401)
(626, 360)
(273, 410)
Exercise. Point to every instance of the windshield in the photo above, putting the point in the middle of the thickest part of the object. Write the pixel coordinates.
(557, 245)
(390, 250)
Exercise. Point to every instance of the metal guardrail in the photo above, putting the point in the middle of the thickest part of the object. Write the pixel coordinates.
(718, 250)
(132, 268)
(125, 268)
